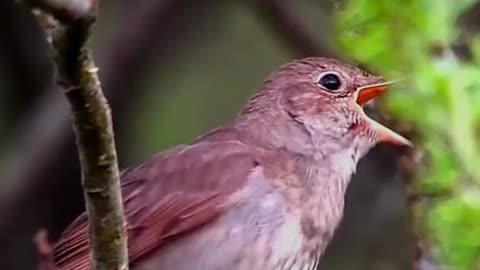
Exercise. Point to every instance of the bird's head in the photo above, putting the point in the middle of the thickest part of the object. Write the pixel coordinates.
(325, 98)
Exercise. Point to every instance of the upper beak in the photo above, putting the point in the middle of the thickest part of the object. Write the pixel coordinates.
(368, 92)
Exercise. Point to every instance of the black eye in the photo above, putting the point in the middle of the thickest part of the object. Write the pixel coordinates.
(330, 81)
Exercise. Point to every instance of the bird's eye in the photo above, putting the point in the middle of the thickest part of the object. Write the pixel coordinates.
(330, 81)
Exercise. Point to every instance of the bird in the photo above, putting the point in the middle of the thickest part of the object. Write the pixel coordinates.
(265, 191)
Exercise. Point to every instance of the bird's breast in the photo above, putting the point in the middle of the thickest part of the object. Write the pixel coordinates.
(272, 234)
(290, 249)
(255, 234)
(290, 234)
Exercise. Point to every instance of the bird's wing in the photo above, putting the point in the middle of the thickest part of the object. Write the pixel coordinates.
(170, 194)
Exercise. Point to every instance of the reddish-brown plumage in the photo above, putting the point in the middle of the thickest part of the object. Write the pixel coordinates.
(265, 192)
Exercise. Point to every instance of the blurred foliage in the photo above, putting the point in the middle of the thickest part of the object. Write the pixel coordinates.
(412, 39)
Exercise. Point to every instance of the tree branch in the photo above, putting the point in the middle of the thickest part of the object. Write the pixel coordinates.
(77, 75)
(44, 139)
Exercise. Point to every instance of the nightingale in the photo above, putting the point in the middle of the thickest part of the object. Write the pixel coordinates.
(265, 192)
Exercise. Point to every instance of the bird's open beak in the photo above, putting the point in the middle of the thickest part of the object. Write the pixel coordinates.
(368, 92)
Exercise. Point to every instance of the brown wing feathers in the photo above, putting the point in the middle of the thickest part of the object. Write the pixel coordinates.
(168, 195)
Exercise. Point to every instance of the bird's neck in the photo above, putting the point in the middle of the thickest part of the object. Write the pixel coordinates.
(326, 170)
(275, 130)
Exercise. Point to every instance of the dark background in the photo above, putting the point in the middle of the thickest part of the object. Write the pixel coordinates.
(172, 69)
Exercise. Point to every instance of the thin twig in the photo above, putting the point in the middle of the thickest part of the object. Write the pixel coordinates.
(77, 75)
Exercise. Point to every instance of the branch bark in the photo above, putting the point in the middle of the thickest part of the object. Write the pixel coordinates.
(77, 75)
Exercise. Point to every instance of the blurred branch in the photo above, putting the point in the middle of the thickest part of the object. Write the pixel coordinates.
(410, 164)
(289, 27)
(24, 66)
(77, 75)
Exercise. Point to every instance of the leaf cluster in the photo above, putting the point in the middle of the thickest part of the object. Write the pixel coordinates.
(412, 39)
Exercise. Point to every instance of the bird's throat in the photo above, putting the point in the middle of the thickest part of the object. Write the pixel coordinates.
(323, 202)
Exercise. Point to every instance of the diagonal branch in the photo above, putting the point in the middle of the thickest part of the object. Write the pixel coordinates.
(77, 75)
(278, 15)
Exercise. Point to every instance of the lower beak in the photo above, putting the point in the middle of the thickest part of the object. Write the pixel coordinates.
(384, 134)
